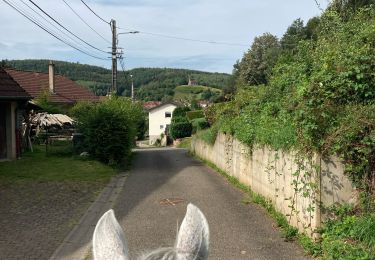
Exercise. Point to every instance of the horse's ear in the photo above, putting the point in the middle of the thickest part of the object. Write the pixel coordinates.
(193, 236)
(109, 240)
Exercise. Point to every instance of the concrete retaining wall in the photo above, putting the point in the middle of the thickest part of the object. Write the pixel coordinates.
(277, 175)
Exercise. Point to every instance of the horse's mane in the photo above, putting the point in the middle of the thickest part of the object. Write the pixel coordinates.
(165, 253)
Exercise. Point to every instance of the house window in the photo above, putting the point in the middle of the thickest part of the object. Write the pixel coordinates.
(161, 126)
(168, 114)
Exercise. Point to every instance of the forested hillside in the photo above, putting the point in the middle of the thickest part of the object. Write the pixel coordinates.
(150, 83)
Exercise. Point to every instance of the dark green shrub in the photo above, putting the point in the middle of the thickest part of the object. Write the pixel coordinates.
(109, 127)
(179, 119)
(181, 130)
(180, 112)
(202, 123)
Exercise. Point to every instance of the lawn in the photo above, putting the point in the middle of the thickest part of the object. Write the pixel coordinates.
(56, 165)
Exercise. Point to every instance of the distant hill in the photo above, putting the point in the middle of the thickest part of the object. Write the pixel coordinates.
(189, 93)
(149, 83)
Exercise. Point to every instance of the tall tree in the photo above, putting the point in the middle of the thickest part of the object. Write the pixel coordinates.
(346, 7)
(256, 65)
(231, 84)
(312, 28)
(295, 33)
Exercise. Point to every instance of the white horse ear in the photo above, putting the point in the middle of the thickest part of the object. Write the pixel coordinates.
(109, 241)
(193, 236)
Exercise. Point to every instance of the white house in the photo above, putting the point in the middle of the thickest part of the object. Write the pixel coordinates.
(159, 119)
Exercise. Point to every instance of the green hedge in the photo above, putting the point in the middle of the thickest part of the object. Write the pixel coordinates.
(179, 119)
(195, 114)
(109, 127)
(181, 130)
(180, 111)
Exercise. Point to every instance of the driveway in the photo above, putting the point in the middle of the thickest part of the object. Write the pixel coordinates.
(36, 216)
(237, 231)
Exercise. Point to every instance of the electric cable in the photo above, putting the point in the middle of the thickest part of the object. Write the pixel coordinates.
(318, 5)
(52, 34)
(95, 13)
(191, 40)
(86, 22)
(50, 23)
(53, 19)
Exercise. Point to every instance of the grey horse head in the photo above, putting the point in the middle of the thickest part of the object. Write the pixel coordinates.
(192, 242)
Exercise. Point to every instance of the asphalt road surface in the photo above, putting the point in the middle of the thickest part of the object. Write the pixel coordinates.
(153, 203)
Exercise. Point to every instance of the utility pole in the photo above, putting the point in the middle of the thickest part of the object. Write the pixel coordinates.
(131, 76)
(114, 58)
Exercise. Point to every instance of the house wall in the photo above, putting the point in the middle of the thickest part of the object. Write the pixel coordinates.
(10, 129)
(156, 119)
(3, 130)
(273, 174)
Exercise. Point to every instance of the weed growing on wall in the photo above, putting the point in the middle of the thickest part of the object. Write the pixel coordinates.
(318, 99)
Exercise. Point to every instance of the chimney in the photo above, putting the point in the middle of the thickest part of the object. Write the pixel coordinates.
(51, 76)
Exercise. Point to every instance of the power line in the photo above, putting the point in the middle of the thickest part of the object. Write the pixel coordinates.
(85, 22)
(192, 40)
(318, 5)
(52, 34)
(92, 46)
(94, 12)
(49, 22)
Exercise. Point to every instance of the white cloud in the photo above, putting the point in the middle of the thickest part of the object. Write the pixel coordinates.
(216, 20)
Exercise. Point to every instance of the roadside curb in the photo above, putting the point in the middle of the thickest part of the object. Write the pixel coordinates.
(77, 243)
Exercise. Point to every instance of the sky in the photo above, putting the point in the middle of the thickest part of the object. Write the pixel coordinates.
(232, 22)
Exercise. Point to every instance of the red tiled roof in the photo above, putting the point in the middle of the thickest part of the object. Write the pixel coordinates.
(163, 104)
(9, 88)
(66, 90)
(151, 104)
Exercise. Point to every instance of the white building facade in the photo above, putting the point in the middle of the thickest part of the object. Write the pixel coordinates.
(159, 120)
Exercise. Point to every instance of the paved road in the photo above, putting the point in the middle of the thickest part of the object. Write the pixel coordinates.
(237, 231)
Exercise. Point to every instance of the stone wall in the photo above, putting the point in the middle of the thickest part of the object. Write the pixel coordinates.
(277, 175)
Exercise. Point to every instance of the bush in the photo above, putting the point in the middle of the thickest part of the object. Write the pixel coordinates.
(209, 135)
(180, 112)
(179, 119)
(199, 124)
(181, 130)
(109, 127)
(180, 126)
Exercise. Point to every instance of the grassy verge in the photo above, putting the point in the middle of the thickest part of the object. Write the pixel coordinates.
(208, 135)
(56, 165)
(348, 237)
(185, 143)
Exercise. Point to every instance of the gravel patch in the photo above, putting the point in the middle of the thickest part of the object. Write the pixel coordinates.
(35, 217)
